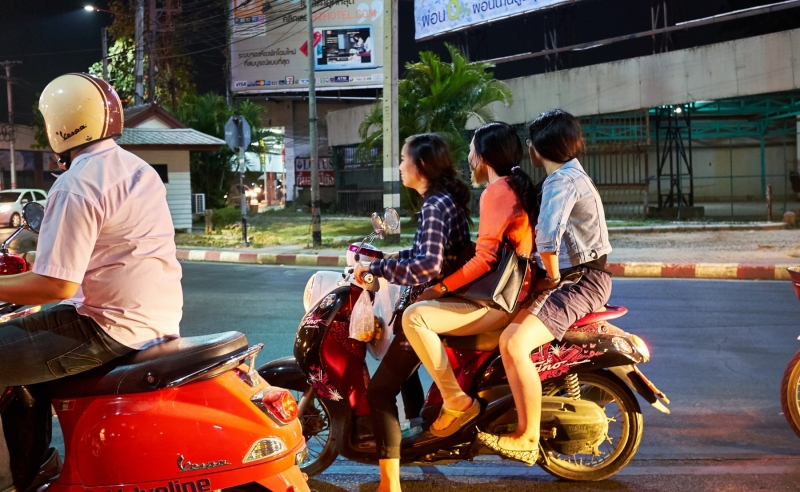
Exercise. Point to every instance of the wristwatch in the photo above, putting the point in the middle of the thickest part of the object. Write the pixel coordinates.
(443, 288)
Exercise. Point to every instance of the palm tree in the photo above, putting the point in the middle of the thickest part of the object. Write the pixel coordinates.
(439, 97)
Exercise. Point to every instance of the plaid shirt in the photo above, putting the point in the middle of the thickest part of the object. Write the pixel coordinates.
(443, 231)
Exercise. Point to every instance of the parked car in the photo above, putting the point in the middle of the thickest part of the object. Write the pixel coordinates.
(11, 202)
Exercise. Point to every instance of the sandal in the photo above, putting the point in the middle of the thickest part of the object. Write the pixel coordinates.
(461, 419)
(491, 441)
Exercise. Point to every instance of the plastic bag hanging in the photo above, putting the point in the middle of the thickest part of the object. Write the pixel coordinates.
(362, 319)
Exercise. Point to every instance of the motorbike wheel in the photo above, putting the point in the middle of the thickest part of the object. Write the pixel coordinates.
(316, 424)
(622, 439)
(790, 393)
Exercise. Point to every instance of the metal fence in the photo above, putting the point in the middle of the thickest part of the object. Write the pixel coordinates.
(359, 182)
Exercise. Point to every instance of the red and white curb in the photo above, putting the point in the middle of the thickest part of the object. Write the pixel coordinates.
(740, 271)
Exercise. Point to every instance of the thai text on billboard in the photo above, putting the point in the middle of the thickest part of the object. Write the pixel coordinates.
(434, 17)
(269, 45)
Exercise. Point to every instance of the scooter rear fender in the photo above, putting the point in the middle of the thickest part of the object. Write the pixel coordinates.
(191, 438)
(633, 377)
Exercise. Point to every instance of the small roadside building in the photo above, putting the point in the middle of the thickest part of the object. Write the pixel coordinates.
(165, 143)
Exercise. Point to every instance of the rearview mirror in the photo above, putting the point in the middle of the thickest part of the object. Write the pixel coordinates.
(391, 219)
(32, 216)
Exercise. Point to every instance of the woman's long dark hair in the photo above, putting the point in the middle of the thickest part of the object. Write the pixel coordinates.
(499, 146)
(431, 154)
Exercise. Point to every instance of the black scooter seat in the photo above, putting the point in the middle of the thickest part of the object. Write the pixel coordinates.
(153, 368)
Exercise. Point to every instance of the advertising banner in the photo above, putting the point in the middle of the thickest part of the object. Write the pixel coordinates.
(269, 45)
(302, 171)
(434, 17)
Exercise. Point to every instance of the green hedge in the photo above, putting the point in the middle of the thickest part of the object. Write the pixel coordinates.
(226, 216)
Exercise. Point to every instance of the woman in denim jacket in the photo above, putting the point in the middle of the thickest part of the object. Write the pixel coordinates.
(571, 237)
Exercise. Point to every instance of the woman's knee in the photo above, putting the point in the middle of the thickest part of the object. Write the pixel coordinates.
(413, 319)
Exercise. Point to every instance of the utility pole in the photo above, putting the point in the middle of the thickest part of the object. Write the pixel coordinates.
(391, 135)
(104, 39)
(316, 220)
(7, 65)
(138, 90)
(151, 57)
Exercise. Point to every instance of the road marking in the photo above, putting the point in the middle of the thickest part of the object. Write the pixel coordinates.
(478, 469)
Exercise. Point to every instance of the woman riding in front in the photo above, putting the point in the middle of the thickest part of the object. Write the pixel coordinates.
(507, 209)
(443, 231)
(571, 237)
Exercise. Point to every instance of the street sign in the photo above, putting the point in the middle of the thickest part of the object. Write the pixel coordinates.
(237, 133)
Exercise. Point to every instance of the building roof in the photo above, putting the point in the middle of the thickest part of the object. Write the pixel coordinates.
(179, 138)
(135, 116)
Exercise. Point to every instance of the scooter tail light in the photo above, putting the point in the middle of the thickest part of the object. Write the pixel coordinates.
(641, 347)
(281, 404)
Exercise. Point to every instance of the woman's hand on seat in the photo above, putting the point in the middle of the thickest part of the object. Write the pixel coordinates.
(430, 294)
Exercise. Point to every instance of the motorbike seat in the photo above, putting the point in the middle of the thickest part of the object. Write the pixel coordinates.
(607, 313)
(153, 368)
(486, 342)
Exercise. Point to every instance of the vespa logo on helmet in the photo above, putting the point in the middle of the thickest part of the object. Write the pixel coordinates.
(67, 136)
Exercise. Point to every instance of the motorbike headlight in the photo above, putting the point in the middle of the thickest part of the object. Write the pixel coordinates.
(307, 293)
(640, 346)
(5, 208)
(622, 345)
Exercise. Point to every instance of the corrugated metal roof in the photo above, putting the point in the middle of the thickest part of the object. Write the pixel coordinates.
(164, 136)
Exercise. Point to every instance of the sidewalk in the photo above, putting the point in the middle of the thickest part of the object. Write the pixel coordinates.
(715, 251)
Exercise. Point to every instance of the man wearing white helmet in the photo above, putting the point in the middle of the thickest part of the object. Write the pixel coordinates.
(106, 252)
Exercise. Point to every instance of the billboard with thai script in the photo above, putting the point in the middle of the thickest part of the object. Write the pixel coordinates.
(269, 45)
(435, 17)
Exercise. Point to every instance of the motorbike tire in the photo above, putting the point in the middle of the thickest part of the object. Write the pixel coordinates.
(317, 460)
(790, 393)
(632, 428)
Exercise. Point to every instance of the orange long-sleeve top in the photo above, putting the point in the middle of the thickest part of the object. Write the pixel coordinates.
(501, 215)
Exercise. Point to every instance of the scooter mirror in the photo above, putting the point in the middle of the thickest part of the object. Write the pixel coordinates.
(32, 215)
(391, 220)
(377, 224)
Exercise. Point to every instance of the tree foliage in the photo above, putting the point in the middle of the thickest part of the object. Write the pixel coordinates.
(212, 172)
(435, 96)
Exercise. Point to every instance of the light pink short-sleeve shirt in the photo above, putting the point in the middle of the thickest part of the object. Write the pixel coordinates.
(107, 227)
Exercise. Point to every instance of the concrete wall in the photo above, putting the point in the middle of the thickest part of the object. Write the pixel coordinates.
(179, 187)
(749, 66)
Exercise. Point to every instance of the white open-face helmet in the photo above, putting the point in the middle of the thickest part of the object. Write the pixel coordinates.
(79, 108)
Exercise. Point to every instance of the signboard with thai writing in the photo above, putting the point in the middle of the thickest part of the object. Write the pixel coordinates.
(434, 17)
(269, 45)
(302, 171)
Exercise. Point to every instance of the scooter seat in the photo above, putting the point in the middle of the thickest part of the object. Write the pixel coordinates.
(608, 313)
(484, 342)
(153, 368)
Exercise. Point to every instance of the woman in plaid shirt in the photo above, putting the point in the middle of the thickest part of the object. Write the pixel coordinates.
(443, 232)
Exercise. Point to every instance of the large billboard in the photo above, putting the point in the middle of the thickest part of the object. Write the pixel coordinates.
(269, 45)
(434, 17)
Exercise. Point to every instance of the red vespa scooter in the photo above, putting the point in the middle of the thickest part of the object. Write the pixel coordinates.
(188, 415)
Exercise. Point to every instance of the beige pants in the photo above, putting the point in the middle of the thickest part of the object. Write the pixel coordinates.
(424, 321)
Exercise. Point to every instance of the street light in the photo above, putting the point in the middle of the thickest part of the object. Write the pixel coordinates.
(103, 39)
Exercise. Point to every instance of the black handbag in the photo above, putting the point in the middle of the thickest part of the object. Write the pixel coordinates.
(499, 288)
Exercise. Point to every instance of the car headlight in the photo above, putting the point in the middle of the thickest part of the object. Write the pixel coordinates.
(5, 208)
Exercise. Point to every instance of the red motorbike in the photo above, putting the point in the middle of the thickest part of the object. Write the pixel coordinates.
(790, 384)
(188, 415)
(591, 420)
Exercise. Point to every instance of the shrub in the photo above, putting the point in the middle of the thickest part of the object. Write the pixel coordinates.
(226, 216)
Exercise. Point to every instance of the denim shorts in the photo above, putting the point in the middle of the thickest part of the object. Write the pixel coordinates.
(562, 307)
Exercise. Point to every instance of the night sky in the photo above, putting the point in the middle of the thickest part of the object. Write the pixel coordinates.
(52, 37)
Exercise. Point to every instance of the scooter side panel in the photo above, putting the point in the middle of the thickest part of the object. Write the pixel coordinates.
(151, 437)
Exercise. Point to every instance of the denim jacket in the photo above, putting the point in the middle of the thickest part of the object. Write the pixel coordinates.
(571, 220)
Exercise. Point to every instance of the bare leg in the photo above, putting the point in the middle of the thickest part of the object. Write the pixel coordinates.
(523, 335)
(390, 475)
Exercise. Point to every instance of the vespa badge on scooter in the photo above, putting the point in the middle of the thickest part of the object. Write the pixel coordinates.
(187, 415)
(591, 420)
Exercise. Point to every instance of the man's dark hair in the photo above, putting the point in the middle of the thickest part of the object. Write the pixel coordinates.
(556, 136)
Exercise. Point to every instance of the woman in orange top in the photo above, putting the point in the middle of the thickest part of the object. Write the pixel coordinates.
(506, 213)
